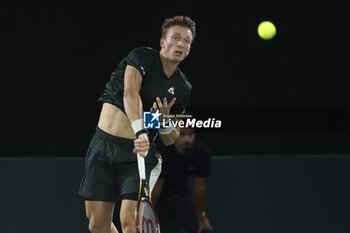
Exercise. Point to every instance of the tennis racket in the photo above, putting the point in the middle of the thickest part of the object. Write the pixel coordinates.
(146, 217)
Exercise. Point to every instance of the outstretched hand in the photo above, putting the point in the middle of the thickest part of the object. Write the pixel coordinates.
(164, 107)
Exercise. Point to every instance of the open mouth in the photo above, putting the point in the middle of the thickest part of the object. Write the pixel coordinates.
(178, 52)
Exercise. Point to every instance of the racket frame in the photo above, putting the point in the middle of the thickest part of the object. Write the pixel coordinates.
(144, 194)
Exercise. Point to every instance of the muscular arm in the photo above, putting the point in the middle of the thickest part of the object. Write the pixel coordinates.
(133, 107)
(132, 99)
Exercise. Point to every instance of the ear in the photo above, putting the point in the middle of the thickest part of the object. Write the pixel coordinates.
(189, 49)
(162, 42)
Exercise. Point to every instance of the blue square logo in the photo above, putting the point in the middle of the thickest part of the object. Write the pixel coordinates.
(151, 120)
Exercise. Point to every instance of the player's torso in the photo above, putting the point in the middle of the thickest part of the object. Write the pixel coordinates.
(157, 84)
(154, 84)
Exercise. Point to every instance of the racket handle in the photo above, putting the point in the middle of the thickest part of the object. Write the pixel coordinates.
(141, 165)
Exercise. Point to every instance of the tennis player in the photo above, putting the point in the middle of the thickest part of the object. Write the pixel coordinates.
(144, 76)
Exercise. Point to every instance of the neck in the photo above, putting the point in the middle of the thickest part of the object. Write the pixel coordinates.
(169, 66)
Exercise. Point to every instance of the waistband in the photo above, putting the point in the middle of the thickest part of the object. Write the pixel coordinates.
(117, 140)
(114, 139)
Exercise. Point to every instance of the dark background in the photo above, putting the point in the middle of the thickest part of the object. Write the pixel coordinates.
(284, 96)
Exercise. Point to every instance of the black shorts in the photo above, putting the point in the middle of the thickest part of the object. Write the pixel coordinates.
(111, 170)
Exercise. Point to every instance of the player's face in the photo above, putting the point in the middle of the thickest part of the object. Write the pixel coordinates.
(177, 43)
(185, 140)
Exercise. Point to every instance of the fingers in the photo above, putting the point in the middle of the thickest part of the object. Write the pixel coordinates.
(141, 153)
(172, 102)
(141, 145)
(160, 105)
(141, 150)
(154, 107)
(165, 106)
(165, 103)
(207, 225)
(210, 227)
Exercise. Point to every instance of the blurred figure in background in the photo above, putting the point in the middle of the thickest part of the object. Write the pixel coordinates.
(179, 194)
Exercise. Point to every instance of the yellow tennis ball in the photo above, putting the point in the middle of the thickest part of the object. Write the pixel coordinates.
(266, 30)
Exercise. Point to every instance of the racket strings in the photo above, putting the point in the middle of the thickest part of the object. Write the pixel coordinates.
(147, 218)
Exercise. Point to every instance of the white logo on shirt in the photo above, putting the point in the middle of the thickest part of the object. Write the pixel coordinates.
(143, 70)
(171, 90)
